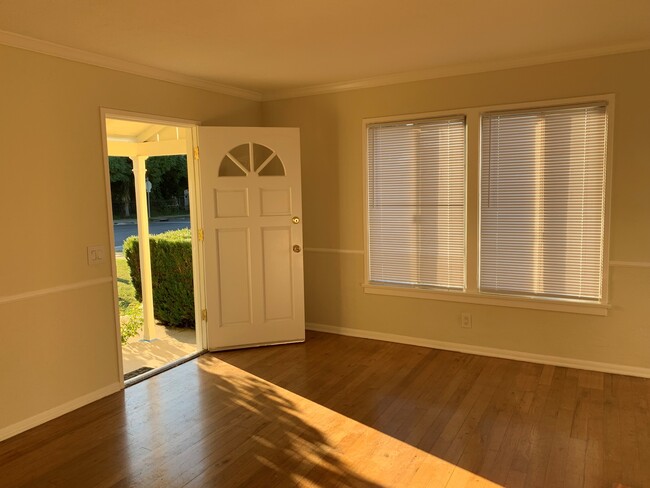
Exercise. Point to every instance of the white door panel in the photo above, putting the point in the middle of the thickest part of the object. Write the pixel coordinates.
(276, 254)
(235, 297)
(250, 179)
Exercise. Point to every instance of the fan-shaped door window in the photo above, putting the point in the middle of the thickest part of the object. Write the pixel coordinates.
(251, 158)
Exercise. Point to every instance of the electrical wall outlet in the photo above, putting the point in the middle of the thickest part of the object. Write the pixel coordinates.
(466, 320)
(96, 254)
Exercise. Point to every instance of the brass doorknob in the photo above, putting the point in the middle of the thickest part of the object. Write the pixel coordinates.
(295, 220)
(296, 248)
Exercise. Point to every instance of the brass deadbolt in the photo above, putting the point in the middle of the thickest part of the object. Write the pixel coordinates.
(295, 220)
(296, 248)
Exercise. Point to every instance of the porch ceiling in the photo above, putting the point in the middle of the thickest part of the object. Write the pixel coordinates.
(132, 138)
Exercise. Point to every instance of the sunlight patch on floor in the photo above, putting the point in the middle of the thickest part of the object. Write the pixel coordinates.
(321, 447)
(172, 343)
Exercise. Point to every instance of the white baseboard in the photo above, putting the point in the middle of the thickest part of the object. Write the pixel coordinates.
(41, 418)
(485, 351)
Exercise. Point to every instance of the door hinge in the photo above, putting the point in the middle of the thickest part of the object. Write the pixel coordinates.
(204, 314)
(201, 234)
(196, 152)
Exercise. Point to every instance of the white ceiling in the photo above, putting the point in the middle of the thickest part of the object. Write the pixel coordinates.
(275, 46)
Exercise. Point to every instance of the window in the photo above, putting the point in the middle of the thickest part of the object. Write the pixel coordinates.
(492, 205)
(543, 202)
(416, 203)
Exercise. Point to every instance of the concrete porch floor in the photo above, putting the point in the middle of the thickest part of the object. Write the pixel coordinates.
(172, 343)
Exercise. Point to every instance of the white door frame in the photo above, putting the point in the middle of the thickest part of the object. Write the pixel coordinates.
(196, 217)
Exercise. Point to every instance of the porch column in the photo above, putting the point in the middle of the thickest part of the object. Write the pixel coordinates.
(140, 170)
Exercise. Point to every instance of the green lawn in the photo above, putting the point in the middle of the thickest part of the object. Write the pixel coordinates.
(130, 307)
(125, 289)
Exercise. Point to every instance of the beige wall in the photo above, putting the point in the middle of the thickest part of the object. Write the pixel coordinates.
(333, 211)
(61, 346)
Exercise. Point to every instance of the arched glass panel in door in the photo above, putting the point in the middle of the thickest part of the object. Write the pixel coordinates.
(251, 158)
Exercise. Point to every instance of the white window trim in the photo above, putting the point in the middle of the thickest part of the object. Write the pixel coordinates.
(471, 294)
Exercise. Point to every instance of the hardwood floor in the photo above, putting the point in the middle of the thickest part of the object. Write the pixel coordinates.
(346, 412)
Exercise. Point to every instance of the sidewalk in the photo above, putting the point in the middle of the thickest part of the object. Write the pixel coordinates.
(160, 218)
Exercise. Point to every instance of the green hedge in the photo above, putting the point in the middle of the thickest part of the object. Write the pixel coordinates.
(171, 269)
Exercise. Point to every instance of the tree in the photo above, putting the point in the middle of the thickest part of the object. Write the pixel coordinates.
(122, 181)
(168, 175)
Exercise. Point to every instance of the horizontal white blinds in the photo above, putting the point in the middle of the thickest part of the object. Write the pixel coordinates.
(416, 203)
(543, 202)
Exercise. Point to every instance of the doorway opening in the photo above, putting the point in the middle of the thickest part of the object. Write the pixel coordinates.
(152, 211)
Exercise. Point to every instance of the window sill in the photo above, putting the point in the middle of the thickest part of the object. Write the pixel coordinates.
(555, 305)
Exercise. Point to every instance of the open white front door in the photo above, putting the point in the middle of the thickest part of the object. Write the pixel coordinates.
(251, 205)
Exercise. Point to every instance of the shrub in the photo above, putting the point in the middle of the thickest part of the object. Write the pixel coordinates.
(171, 270)
(131, 322)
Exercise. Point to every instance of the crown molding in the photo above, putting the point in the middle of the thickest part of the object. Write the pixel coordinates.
(455, 70)
(45, 47)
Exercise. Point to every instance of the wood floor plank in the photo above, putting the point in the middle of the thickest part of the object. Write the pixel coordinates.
(612, 433)
(542, 434)
(348, 412)
(555, 471)
(485, 439)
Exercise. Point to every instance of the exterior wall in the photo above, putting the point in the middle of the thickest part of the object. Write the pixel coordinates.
(332, 158)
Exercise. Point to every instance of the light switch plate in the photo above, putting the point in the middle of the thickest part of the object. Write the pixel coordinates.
(96, 254)
(466, 320)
